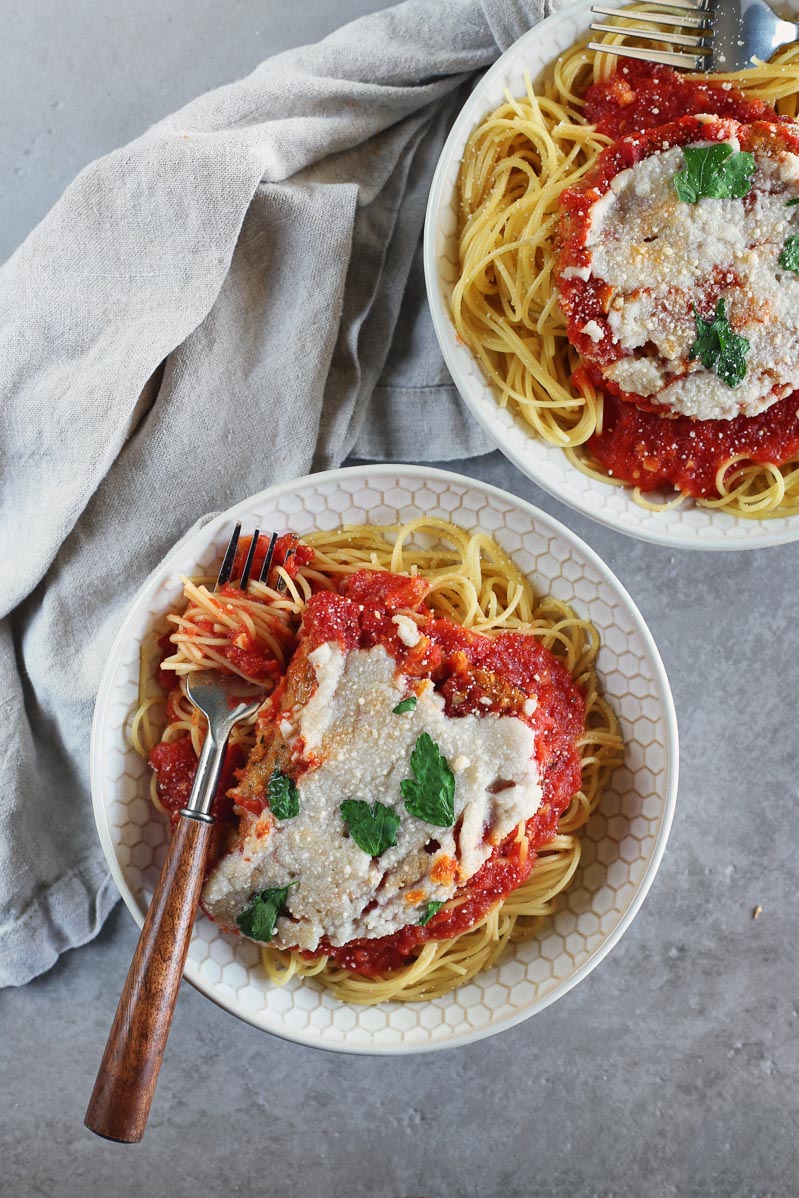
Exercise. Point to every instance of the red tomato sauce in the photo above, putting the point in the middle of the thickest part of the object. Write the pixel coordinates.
(288, 553)
(167, 679)
(465, 667)
(176, 764)
(587, 300)
(643, 447)
(243, 651)
(641, 95)
(650, 451)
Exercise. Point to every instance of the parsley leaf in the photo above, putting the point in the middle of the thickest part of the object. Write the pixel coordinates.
(258, 918)
(374, 829)
(719, 348)
(406, 705)
(433, 908)
(715, 172)
(430, 794)
(789, 258)
(792, 203)
(283, 796)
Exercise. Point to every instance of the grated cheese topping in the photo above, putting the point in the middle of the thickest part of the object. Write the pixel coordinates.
(407, 630)
(365, 748)
(660, 256)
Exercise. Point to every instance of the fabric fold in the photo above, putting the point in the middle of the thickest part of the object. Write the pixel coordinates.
(230, 301)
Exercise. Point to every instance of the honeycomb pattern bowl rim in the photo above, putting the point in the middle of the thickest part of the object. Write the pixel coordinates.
(684, 527)
(301, 1012)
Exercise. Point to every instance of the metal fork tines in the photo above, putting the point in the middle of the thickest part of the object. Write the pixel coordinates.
(731, 34)
(228, 562)
(690, 17)
(687, 16)
(693, 19)
(705, 6)
(653, 35)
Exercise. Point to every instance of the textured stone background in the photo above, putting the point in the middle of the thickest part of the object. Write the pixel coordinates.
(672, 1070)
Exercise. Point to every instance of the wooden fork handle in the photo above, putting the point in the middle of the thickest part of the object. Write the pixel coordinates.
(123, 1091)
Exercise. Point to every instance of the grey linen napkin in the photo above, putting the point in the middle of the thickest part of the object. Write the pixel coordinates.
(232, 300)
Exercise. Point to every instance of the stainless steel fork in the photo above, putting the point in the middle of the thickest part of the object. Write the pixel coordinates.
(123, 1092)
(725, 35)
(228, 562)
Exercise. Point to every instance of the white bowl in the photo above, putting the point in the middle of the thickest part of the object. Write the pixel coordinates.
(686, 527)
(623, 841)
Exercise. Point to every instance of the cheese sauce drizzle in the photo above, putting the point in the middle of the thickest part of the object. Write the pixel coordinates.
(472, 587)
(516, 168)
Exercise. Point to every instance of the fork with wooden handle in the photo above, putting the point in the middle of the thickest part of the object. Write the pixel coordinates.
(123, 1091)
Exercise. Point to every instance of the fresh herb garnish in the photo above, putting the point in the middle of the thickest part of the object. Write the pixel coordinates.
(430, 794)
(283, 796)
(406, 705)
(258, 918)
(374, 829)
(792, 203)
(714, 172)
(718, 348)
(789, 258)
(433, 908)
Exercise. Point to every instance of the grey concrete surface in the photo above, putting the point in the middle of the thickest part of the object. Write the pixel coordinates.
(672, 1070)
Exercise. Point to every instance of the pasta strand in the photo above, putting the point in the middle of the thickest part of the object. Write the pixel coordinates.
(475, 583)
(504, 306)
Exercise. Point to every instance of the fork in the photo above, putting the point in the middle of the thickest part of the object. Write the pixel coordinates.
(126, 1080)
(728, 35)
(228, 561)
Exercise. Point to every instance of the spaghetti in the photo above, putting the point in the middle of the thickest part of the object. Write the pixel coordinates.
(516, 166)
(474, 584)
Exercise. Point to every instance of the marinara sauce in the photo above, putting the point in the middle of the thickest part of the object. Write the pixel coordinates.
(643, 95)
(644, 448)
(475, 674)
(175, 762)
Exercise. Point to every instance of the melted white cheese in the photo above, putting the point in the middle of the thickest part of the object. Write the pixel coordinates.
(407, 630)
(657, 253)
(593, 330)
(343, 893)
(577, 272)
